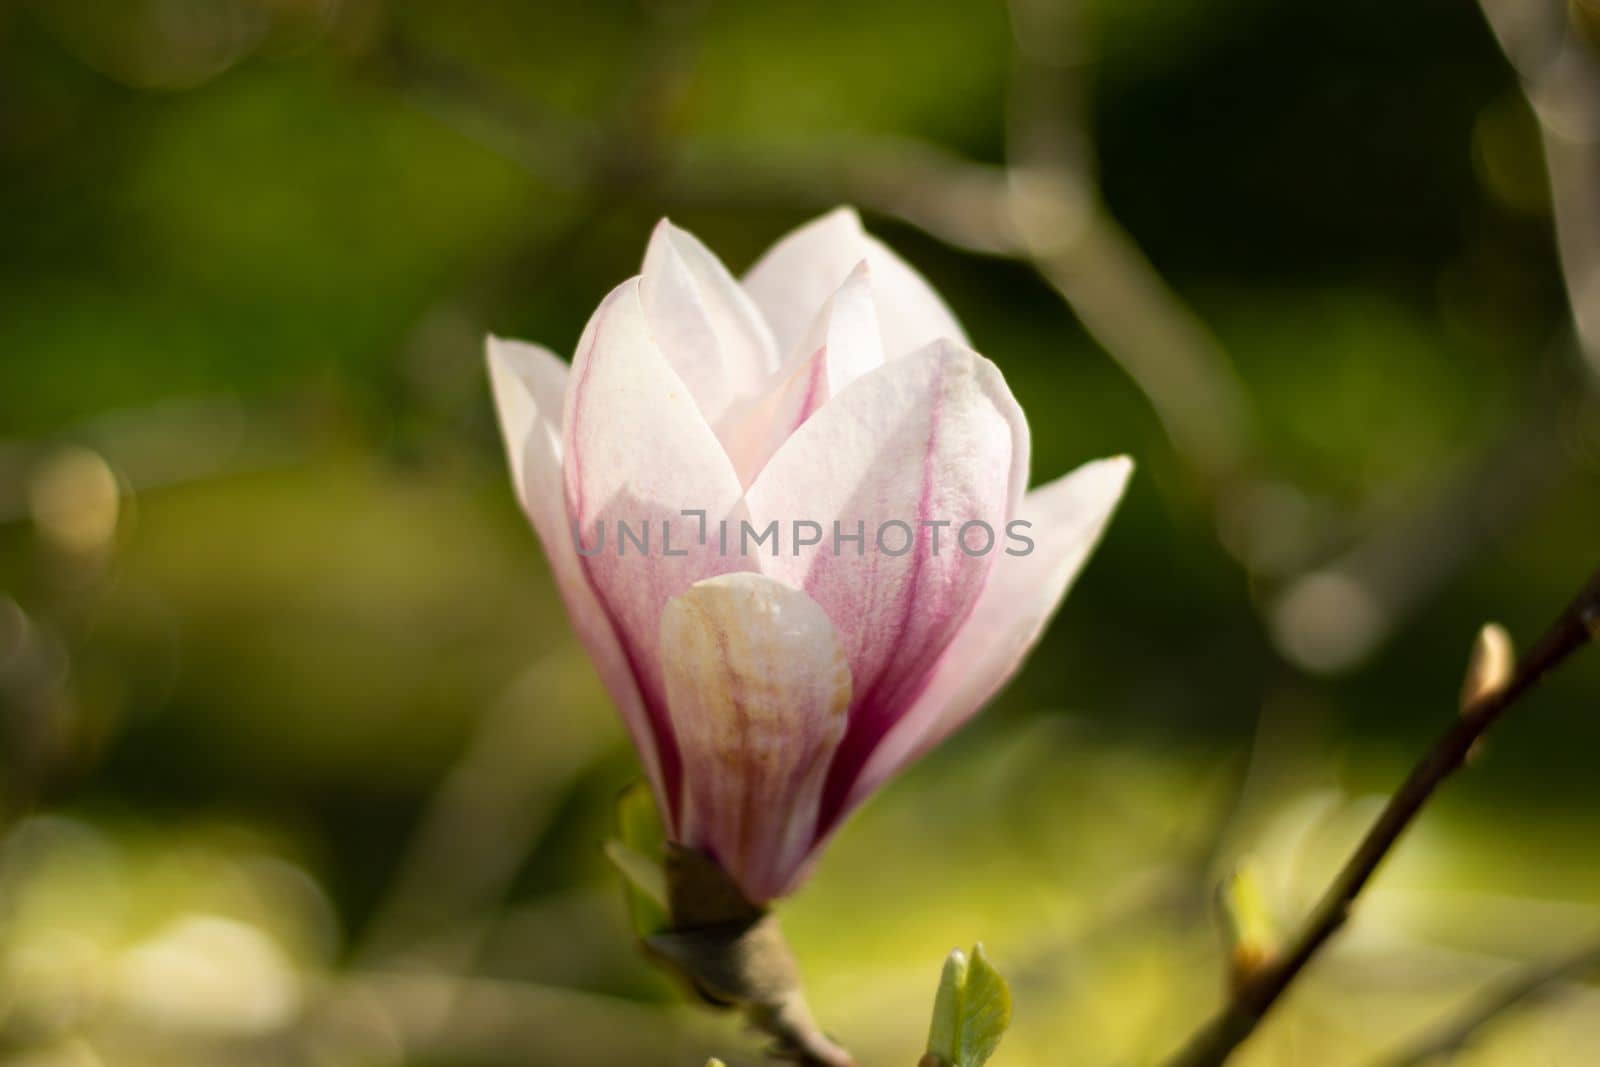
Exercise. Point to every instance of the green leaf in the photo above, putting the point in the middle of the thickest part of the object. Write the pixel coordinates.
(637, 852)
(944, 1035)
(970, 1012)
(986, 1013)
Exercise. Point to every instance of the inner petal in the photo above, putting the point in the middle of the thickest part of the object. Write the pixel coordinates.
(793, 278)
(707, 327)
(842, 343)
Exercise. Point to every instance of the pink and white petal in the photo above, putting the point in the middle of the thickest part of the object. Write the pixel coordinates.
(842, 344)
(753, 428)
(638, 451)
(933, 437)
(529, 383)
(759, 692)
(704, 323)
(847, 328)
(1067, 519)
(796, 275)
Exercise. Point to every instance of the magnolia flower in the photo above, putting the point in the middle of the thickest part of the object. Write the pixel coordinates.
(770, 688)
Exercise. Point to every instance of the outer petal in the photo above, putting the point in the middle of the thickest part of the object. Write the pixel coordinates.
(842, 344)
(934, 437)
(638, 451)
(529, 383)
(759, 691)
(1068, 517)
(802, 270)
(703, 321)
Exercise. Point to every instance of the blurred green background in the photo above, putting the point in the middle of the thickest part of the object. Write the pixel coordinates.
(302, 762)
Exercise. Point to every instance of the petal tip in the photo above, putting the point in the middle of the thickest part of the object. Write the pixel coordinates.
(1119, 468)
(510, 360)
(502, 355)
(1122, 462)
(1103, 480)
(665, 234)
(671, 239)
(845, 213)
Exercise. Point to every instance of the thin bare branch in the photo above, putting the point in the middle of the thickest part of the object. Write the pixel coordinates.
(1526, 985)
(732, 954)
(1577, 626)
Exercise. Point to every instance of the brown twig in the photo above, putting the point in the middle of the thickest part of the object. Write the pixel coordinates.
(1217, 1040)
(732, 954)
(1456, 1033)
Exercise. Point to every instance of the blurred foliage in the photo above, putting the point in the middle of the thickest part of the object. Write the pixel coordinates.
(301, 762)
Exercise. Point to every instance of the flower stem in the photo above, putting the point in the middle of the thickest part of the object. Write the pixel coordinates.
(733, 955)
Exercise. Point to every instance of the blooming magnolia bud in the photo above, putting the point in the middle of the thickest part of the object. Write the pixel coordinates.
(789, 518)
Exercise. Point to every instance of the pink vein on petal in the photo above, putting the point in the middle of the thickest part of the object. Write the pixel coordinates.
(867, 725)
(816, 388)
(667, 754)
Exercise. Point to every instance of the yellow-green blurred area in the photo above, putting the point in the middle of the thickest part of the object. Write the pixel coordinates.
(302, 762)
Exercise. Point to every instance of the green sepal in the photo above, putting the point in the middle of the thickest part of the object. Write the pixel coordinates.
(637, 852)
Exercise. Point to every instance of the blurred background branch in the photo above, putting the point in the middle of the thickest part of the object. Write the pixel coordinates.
(1552, 45)
(1065, 229)
(1538, 980)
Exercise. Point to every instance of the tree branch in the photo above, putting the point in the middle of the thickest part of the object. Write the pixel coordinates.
(1578, 625)
(1455, 1034)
